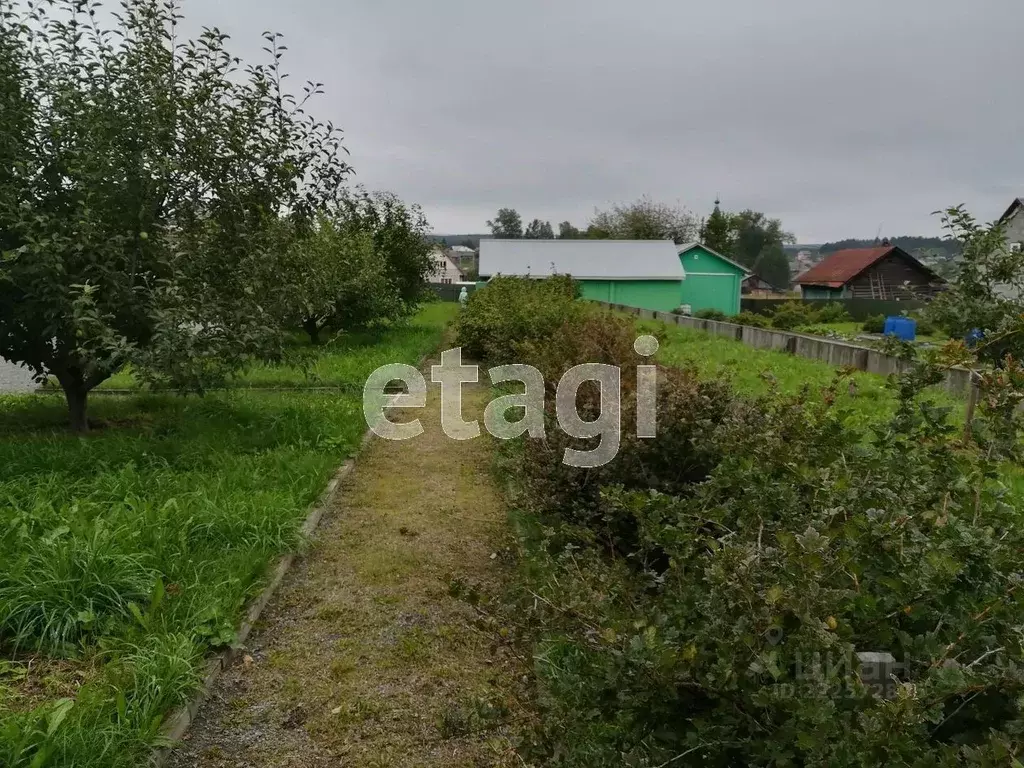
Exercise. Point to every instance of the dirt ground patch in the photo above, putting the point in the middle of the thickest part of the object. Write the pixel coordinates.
(29, 682)
(365, 658)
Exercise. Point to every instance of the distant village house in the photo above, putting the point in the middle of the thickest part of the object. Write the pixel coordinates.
(465, 258)
(887, 272)
(445, 271)
(1013, 229)
(1013, 224)
(756, 287)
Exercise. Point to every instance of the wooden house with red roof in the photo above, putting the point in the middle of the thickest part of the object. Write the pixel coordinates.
(886, 272)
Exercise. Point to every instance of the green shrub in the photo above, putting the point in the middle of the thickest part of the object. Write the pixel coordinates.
(874, 324)
(793, 314)
(894, 346)
(925, 326)
(707, 592)
(833, 313)
(510, 311)
(752, 319)
(686, 407)
(710, 314)
(822, 330)
(725, 617)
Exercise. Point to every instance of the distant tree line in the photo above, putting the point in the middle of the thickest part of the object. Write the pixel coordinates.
(752, 239)
(643, 219)
(749, 237)
(451, 241)
(909, 243)
(942, 254)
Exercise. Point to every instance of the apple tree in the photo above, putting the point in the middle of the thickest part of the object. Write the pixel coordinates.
(143, 182)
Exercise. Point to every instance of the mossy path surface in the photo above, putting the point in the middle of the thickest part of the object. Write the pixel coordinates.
(364, 658)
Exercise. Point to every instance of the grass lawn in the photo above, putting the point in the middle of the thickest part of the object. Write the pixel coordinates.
(338, 362)
(126, 555)
(755, 371)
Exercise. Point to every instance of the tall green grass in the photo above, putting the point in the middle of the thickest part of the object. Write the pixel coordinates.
(131, 552)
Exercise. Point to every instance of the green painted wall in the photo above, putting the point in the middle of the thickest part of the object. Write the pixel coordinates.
(721, 292)
(711, 282)
(596, 290)
(657, 295)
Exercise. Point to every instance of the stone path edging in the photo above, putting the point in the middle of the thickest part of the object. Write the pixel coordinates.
(178, 724)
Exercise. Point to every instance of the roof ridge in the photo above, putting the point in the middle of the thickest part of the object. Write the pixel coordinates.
(690, 246)
(832, 269)
(1018, 202)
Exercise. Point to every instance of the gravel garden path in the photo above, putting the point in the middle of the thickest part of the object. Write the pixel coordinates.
(364, 658)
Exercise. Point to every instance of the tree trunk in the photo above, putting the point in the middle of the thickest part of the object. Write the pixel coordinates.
(312, 327)
(77, 395)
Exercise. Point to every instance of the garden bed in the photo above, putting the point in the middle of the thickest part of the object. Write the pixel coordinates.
(852, 331)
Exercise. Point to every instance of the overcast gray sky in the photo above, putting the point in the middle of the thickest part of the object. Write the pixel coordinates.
(839, 116)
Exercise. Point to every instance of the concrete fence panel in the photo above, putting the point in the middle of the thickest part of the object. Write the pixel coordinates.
(958, 381)
(840, 354)
(883, 364)
(837, 353)
(766, 338)
(728, 330)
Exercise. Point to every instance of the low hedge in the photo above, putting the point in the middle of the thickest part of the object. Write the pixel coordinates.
(515, 310)
(793, 315)
(751, 319)
(874, 324)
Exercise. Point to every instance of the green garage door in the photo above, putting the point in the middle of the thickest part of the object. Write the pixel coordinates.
(712, 280)
(714, 291)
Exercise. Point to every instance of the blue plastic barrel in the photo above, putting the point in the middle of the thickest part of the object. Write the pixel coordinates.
(903, 328)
